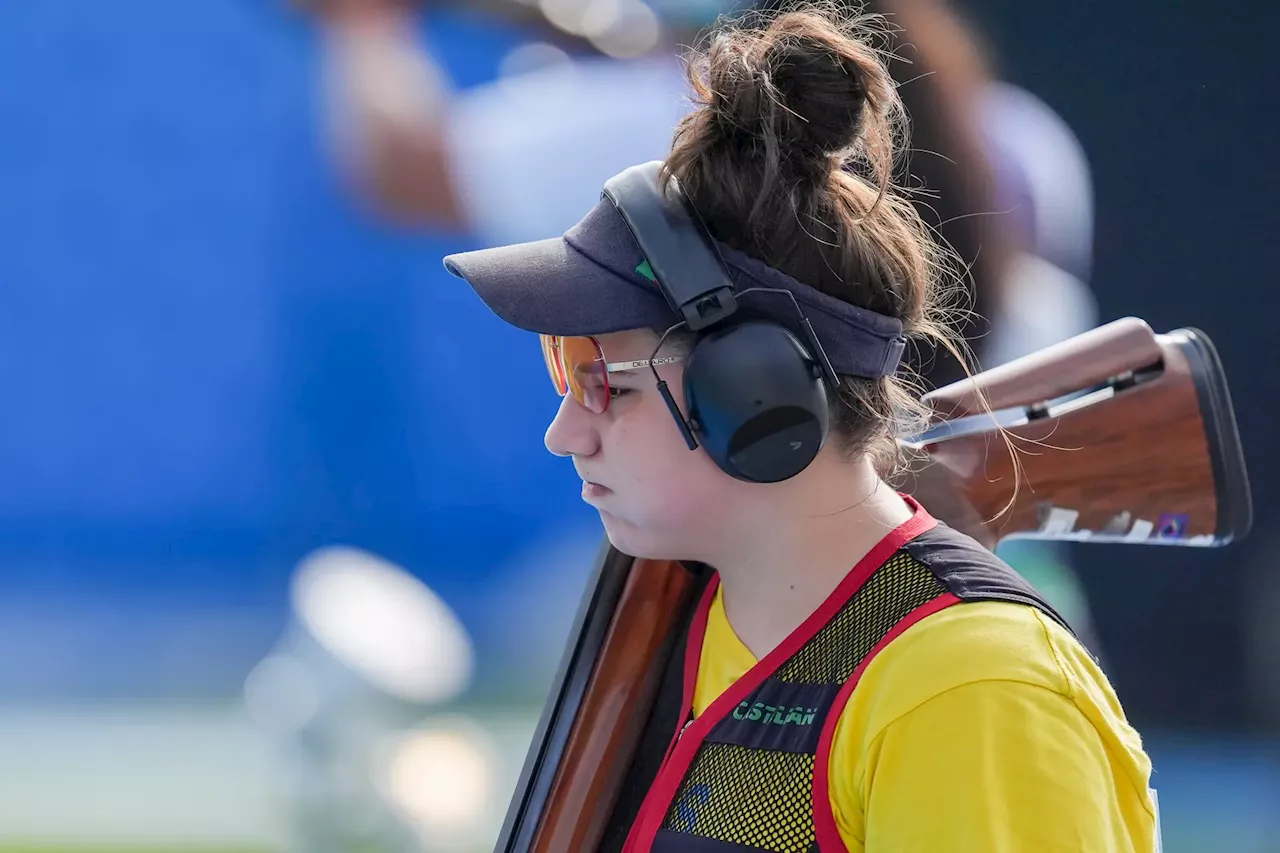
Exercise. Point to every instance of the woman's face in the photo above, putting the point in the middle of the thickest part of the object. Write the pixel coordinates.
(656, 498)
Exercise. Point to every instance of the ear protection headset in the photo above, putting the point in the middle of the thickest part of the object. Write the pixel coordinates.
(756, 394)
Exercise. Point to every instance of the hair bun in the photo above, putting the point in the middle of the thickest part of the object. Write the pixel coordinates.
(800, 82)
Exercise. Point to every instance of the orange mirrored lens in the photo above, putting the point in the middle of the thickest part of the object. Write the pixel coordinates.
(584, 372)
(577, 367)
(551, 354)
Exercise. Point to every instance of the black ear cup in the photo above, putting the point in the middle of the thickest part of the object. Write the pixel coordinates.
(756, 401)
(756, 398)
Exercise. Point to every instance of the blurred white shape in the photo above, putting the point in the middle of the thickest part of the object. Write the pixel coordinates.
(532, 57)
(568, 15)
(1041, 305)
(384, 624)
(601, 16)
(1055, 167)
(443, 777)
(623, 29)
(280, 694)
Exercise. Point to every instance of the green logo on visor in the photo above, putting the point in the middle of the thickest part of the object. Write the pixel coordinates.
(647, 271)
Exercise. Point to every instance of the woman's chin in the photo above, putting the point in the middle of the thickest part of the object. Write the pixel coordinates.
(637, 543)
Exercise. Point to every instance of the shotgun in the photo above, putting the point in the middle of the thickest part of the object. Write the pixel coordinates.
(1121, 435)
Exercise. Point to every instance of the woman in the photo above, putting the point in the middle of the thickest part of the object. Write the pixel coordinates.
(859, 677)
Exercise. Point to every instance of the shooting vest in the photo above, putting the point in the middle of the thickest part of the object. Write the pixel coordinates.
(752, 770)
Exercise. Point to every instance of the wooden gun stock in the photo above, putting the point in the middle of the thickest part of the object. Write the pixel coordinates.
(1122, 435)
(1137, 443)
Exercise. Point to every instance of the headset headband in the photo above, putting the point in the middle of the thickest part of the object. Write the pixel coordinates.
(680, 251)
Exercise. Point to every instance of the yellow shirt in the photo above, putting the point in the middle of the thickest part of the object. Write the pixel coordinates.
(984, 727)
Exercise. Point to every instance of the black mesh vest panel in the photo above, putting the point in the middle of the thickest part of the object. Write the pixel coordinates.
(750, 785)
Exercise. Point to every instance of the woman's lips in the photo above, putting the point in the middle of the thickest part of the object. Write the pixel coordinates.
(594, 491)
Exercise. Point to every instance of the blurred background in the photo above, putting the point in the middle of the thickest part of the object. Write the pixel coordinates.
(283, 562)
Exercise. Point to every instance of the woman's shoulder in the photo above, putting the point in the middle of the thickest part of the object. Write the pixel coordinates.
(967, 643)
(995, 688)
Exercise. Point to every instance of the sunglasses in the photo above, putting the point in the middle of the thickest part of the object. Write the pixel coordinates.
(577, 367)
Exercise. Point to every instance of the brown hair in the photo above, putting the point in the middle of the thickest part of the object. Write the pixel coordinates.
(790, 157)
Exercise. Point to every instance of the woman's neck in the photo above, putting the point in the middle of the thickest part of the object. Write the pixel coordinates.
(787, 559)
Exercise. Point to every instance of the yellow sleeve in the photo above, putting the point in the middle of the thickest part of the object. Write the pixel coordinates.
(998, 766)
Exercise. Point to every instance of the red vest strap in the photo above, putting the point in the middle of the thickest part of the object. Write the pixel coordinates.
(684, 746)
(692, 659)
(829, 839)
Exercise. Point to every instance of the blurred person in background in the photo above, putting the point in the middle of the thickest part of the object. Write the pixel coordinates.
(514, 160)
(995, 172)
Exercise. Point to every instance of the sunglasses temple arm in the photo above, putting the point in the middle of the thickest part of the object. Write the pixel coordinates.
(666, 392)
(675, 413)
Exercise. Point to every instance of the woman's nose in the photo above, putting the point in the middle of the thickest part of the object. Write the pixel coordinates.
(572, 431)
